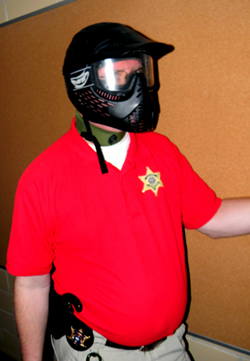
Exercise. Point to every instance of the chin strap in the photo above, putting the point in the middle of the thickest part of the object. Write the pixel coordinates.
(91, 138)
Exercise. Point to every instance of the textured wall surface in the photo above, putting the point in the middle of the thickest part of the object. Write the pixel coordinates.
(9, 342)
(12, 9)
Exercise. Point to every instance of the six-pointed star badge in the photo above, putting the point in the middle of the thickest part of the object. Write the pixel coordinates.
(152, 181)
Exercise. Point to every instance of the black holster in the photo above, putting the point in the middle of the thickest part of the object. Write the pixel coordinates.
(62, 321)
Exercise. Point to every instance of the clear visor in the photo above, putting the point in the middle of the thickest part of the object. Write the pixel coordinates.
(117, 74)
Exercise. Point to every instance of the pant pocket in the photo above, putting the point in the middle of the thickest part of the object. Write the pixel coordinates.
(62, 350)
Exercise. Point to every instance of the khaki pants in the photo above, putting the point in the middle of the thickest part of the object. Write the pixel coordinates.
(172, 349)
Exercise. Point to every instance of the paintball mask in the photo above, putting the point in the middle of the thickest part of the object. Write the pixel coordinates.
(111, 77)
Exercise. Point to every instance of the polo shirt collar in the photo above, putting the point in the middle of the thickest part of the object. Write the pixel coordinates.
(138, 150)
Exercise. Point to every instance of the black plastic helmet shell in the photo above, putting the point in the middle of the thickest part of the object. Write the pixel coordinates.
(108, 40)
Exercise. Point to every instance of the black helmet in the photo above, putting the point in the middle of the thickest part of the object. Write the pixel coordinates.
(132, 107)
(96, 59)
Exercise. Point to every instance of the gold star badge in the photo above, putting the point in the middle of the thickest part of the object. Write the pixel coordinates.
(152, 181)
(78, 337)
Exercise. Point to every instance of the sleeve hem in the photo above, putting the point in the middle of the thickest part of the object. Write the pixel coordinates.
(207, 217)
(26, 272)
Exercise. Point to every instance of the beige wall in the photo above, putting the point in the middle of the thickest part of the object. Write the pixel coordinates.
(12, 9)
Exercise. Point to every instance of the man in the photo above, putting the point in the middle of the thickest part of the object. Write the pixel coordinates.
(106, 204)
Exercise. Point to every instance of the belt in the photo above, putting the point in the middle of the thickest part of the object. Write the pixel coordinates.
(149, 347)
(79, 335)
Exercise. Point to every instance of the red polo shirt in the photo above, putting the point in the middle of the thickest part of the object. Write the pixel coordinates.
(116, 238)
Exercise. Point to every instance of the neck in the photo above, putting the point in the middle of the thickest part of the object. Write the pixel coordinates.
(104, 137)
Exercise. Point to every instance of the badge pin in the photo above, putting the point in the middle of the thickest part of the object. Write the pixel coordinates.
(152, 181)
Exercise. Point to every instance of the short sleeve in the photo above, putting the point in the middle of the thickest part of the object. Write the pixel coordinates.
(199, 201)
(30, 250)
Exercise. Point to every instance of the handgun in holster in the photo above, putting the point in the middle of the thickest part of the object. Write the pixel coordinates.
(62, 321)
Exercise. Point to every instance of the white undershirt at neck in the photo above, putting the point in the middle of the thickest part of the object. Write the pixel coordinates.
(116, 153)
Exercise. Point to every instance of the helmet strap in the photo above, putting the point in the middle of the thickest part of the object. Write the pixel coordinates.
(87, 134)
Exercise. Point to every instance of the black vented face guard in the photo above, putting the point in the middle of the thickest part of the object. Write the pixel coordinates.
(135, 112)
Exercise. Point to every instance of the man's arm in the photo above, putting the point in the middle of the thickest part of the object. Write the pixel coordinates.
(231, 219)
(31, 302)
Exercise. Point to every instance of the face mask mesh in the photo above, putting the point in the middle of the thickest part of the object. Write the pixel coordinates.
(136, 125)
(88, 100)
(107, 95)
